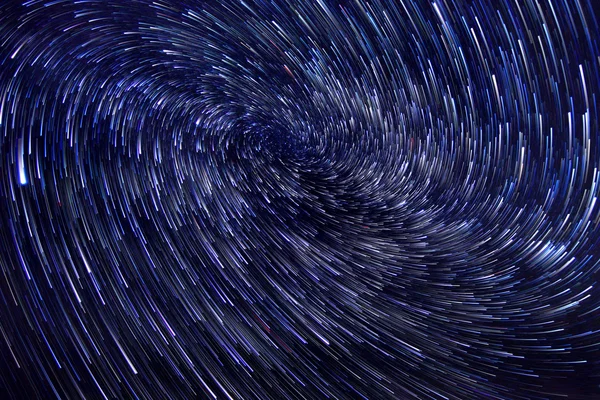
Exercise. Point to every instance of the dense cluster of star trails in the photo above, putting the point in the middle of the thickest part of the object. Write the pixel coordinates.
(315, 199)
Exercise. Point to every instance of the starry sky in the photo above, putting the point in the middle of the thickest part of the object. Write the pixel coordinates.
(308, 199)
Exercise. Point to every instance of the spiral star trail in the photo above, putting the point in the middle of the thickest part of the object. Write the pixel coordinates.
(358, 199)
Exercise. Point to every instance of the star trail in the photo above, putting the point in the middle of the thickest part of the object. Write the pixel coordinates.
(357, 199)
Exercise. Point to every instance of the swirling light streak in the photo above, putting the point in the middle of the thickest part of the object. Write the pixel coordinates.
(299, 199)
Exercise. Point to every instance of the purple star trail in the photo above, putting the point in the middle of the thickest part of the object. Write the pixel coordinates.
(312, 199)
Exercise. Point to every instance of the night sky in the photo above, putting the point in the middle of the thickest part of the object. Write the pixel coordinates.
(308, 199)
